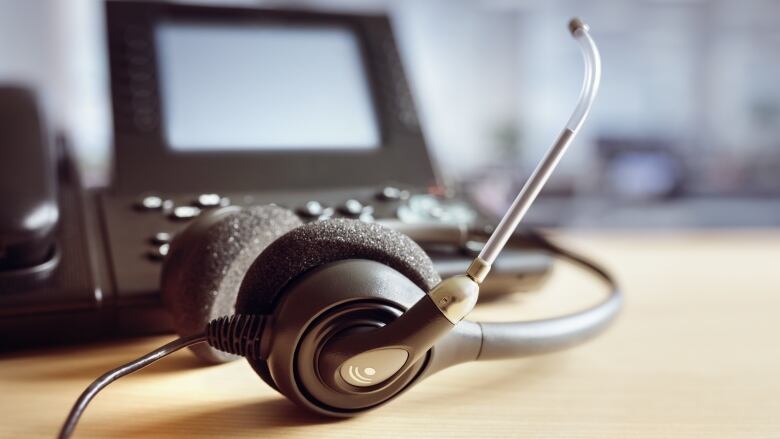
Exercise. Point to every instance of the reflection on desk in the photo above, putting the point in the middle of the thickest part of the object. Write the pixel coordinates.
(693, 355)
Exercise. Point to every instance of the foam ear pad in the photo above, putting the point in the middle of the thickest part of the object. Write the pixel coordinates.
(208, 260)
(320, 243)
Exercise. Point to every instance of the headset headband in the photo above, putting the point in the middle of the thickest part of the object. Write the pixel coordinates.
(517, 339)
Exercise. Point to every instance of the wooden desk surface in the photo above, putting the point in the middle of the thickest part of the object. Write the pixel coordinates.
(695, 354)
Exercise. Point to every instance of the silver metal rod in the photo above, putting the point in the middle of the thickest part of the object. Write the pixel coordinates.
(533, 186)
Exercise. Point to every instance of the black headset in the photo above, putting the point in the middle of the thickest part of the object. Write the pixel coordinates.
(330, 313)
(341, 316)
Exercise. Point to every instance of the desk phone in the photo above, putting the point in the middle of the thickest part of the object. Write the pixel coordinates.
(215, 106)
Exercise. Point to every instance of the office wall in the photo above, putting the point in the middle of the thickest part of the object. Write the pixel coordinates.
(689, 106)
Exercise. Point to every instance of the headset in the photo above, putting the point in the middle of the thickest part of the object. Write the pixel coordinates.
(342, 316)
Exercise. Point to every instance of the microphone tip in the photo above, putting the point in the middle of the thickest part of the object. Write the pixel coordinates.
(576, 24)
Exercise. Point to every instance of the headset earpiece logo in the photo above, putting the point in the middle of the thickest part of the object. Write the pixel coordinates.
(364, 377)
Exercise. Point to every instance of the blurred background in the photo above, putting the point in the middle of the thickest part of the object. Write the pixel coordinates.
(684, 133)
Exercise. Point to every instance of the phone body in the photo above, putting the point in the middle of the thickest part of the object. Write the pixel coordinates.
(216, 106)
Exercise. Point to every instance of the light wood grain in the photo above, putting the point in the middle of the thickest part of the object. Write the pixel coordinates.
(695, 354)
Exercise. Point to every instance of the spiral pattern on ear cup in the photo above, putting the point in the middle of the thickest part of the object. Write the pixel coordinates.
(207, 263)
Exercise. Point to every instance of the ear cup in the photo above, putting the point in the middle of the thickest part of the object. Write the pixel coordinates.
(319, 243)
(207, 262)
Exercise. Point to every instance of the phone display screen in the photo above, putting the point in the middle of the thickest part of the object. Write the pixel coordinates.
(261, 87)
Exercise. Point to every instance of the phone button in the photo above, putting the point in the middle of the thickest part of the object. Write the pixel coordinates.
(351, 208)
(185, 212)
(391, 193)
(315, 210)
(211, 200)
(150, 202)
(160, 252)
(161, 238)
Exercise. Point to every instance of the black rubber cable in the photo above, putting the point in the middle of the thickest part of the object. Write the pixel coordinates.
(240, 334)
(99, 384)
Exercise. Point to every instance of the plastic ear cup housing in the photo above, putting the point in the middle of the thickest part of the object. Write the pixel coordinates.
(208, 260)
(342, 298)
(349, 295)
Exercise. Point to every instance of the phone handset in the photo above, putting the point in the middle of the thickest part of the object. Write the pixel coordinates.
(28, 188)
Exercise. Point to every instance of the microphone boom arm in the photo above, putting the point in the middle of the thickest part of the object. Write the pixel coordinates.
(480, 267)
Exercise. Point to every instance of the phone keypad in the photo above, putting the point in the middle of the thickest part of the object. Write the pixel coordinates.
(387, 202)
